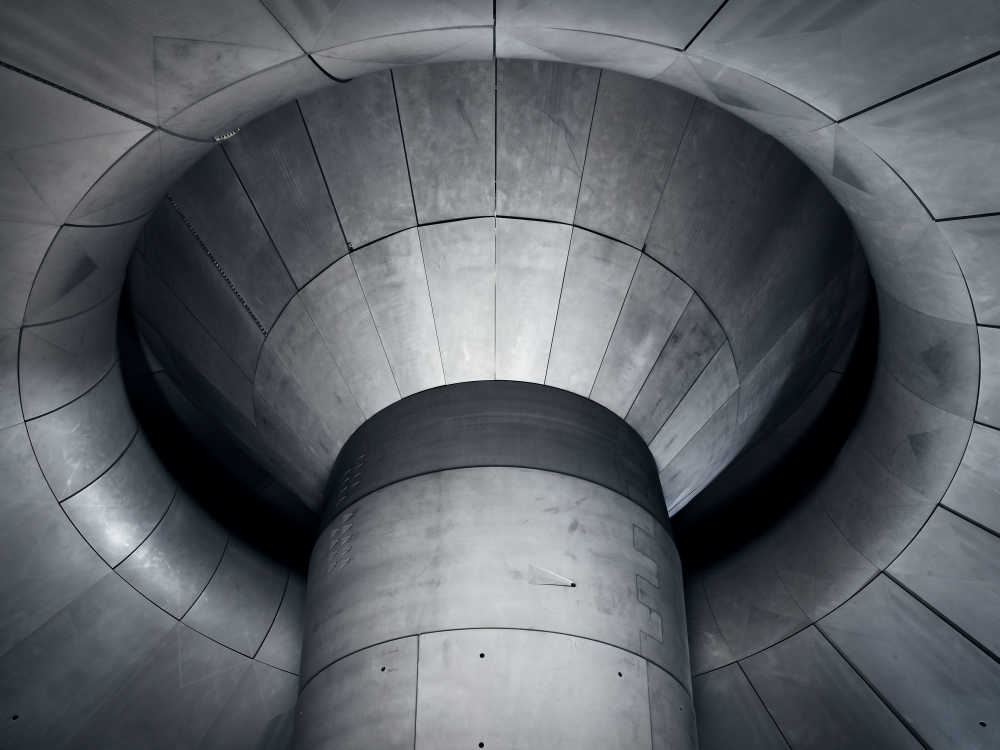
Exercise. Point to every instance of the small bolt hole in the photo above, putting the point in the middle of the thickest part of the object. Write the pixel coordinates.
(572, 585)
(482, 744)
(482, 655)
(982, 723)
(619, 674)
(383, 669)
(15, 717)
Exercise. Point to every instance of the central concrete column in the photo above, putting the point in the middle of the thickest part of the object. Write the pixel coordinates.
(495, 571)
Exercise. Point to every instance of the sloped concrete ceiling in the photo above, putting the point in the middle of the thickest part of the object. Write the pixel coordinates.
(694, 283)
(863, 618)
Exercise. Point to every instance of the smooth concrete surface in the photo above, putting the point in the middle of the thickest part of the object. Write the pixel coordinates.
(448, 121)
(546, 605)
(457, 299)
(939, 682)
(544, 111)
(70, 159)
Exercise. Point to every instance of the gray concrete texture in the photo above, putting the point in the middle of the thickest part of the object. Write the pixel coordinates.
(891, 105)
(666, 285)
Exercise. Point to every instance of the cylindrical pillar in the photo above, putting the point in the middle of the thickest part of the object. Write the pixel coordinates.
(496, 571)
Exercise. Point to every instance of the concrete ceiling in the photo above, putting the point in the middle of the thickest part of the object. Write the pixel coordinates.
(866, 617)
(565, 273)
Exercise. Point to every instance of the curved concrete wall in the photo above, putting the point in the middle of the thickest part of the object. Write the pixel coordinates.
(542, 222)
(890, 104)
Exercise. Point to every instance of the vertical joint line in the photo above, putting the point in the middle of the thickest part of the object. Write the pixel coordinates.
(618, 319)
(416, 694)
(326, 183)
(406, 154)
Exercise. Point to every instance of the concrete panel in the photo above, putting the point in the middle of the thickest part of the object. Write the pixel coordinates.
(22, 247)
(367, 699)
(61, 361)
(460, 260)
(531, 261)
(709, 649)
(395, 284)
(183, 687)
(593, 49)
(543, 120)
(275, 161)
(244, 101)
(654, 303)
(594, 537)
(598, 274)
(988, 409)
(258, 714)
(936, 359)
(110, 58)
(730, 714)
(319, 25)
(298, 384)
(711, 449)
(83, 267)
(364, 166)
(782, 377)
(448, 117)
(576, 693)
(36, 583)
(637, 128)
(282, 648)
(750, 611)
(907, 253)
(875, 511)
(173, 566)
(671, 24)
(742, 261)
(938, 681)
(162, 318)
(819, 701)
(10, 396)
(842, 58)
(64, 671)
(753, 99)
(239, 604)
(814, 562)
(671, 711)
(717, 382)
(495, 423)
(953, 566)
(941, 139)
(177, 260)
(918, 443)
(974, 242)
(211, 199)
(54, 145)
(691, 346)
(76, 443)
(975, 490)
(135, 183)
(118, 511)
(340, 311)
(450, 45)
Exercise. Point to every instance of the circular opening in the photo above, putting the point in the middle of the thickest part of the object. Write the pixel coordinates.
(619, 674)
(982, 723)
(572, 585)
(383, 668)
(15, 717)
(482, 744)
(482, 655)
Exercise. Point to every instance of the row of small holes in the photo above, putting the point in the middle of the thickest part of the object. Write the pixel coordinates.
(218, 266)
